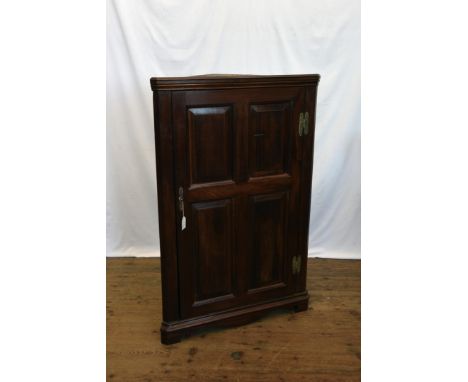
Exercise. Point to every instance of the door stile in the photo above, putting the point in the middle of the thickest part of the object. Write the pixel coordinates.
(180, 160)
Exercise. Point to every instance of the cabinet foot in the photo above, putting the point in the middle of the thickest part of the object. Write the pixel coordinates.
(302, 306)
(168, 338)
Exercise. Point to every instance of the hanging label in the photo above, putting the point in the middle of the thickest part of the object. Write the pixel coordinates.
(183, 223)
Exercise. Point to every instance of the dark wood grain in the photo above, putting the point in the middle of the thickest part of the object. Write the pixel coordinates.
(210, 136)
(268, 231)
(211, 262)
(320, 344)
(243, 171)
(162, 102)
(231, 81)
(269, 136)
(306, 183)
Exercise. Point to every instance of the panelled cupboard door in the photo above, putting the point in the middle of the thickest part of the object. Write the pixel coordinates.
(237, 174)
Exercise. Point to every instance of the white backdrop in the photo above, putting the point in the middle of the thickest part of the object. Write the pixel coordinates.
(179, 38)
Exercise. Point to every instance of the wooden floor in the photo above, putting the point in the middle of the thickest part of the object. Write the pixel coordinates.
(322, 344)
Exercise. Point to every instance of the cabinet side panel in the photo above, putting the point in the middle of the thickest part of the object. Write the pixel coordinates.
(306, 186)
(166, 203)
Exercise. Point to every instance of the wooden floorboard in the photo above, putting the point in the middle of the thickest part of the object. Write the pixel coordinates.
(321, 344)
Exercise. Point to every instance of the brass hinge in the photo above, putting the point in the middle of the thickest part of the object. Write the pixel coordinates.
(296, 265)
(303, 124)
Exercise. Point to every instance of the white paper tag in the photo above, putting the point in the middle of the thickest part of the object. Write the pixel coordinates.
(184, 222)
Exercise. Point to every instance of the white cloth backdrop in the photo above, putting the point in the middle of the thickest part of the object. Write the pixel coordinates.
(180, 38)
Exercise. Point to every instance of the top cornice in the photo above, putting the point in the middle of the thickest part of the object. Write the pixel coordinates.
(230, 81)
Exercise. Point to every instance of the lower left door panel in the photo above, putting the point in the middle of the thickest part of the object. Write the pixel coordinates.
(208, 277)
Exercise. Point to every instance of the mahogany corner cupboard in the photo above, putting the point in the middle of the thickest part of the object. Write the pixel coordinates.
(234, 171)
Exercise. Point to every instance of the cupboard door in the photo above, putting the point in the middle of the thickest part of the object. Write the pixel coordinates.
(238, 177)
(272, 206)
